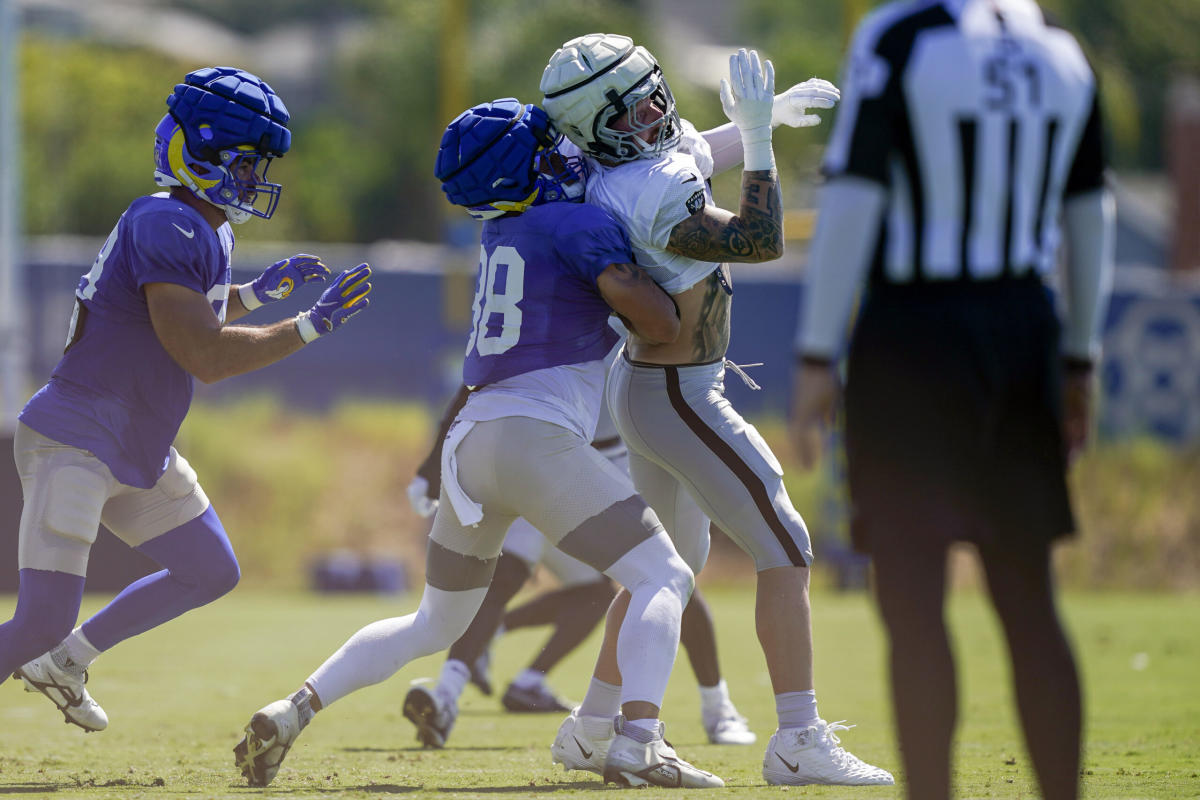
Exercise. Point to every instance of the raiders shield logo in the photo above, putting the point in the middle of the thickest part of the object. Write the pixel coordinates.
(695, 202)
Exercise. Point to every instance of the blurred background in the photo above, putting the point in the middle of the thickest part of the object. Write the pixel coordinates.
(307, 460)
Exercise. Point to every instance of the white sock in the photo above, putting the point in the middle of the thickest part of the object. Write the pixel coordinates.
(528, 679)
(714, 698)
(646, 726)
(454, 677)
(75, 653)
(797, 709)
(602, 700)
(377, 651)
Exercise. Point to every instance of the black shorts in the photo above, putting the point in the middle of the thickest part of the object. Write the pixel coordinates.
(953, 416)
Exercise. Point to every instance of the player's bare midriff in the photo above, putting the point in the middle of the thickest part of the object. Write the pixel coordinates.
(704, 326)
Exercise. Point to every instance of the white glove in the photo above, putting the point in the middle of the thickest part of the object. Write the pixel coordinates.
(748, 98)
(790, 107)
(421, 503)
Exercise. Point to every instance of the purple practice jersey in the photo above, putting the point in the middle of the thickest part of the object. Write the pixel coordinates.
(536, 300)
(116, 392)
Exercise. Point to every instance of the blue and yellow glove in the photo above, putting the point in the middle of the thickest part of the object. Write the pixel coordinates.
(278, 280)
(344, 298)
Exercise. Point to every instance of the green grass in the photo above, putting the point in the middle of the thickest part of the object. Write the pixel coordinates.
(178, 697)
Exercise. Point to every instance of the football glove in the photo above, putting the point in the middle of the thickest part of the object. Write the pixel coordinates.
(344, 298)
(747, 98)
(278, 280)
(419, 499)
(791, 107)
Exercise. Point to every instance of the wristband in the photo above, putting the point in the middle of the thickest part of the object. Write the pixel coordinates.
(756, 149)
(305, 327)
(248, 298)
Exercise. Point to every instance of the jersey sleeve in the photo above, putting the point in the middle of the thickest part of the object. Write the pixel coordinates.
(164, 253)
(672, 191)
(862, 133)
(590, 240)
(1087, 168)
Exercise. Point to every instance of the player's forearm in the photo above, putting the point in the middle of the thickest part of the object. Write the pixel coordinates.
(238, 349)
(761, 213)
(235, 309)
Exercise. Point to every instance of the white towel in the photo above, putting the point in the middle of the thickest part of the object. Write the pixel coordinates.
(468, 511)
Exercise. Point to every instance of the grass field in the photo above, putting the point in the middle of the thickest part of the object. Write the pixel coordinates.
(178, 697)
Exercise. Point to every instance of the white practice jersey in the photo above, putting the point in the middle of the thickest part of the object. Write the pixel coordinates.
(649, 197)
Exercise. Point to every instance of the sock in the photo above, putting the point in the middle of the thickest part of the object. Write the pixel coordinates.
(75, 654)
(714, 698)
(375, 652)
(302, 700)
(797, 709)
(641, 730)
(528, 679)
(454, 677)
(602, 700)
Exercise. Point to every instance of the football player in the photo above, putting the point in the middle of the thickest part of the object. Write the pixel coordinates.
(153, 314)
(550, 274)
(574, 610)
(692, 455)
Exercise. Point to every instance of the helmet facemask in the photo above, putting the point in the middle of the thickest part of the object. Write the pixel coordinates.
(636, 139)
(560, 177)
(234, 179)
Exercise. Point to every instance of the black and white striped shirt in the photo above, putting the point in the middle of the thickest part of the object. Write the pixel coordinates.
(977, 117)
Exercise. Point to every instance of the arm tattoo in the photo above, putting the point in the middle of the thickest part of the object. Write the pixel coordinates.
(755, 234)
(710, 337)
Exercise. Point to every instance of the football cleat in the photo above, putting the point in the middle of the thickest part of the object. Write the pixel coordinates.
(432, 712)
(582, 742)
(269, 735)
(813, 755)
(65, 691)
(536, 699)
(632, 762)
(727, 726)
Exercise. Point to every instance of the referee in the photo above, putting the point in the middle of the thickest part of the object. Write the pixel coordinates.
(968, 139)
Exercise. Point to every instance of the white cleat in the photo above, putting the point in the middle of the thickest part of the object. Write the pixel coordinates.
(727, 726)
(270, 733)
(654, 763)
(582, 742)
(813, 755)
(65, 690)
(432, 712)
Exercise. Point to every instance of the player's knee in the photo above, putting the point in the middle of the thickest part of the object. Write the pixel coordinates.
(219, 577)
(225, 577)
(679, 576)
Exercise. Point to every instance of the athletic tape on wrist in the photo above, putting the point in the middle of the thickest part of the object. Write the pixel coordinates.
(305, 327)
(249, 298)
(757, 153)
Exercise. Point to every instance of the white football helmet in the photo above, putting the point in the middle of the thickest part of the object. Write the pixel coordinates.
(593, 80)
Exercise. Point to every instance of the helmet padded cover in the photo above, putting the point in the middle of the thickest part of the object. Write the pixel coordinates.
(487, 152)
(219, 108)
(580, 77)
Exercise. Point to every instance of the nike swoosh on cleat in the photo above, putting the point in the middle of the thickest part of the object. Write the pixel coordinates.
(588, 753)
(188, 234)
(793, 767)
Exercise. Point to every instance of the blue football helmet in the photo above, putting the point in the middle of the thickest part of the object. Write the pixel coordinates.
(222, 128)
(502, 157)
